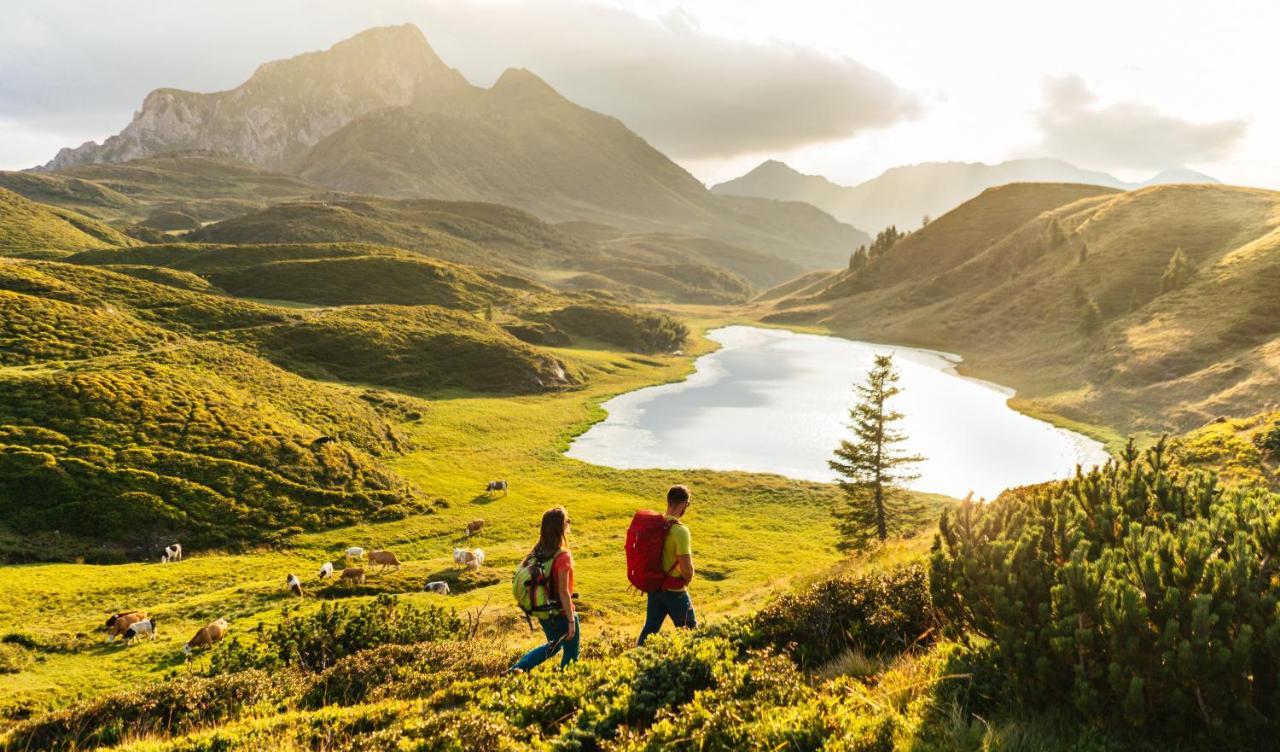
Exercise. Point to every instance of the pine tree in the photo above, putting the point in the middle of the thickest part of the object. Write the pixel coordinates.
(1084, 252)
(1056, 235)
(1091, 321)
(488, 312)
(873, 471)
(924, 221)
(859, 259)
(1177, 274)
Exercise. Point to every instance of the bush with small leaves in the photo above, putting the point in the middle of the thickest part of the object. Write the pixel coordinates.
(1141, 596)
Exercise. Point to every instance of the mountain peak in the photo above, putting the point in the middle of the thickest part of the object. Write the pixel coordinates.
(774, 167)
(522, 79)
(1180, 175)
(287, 106)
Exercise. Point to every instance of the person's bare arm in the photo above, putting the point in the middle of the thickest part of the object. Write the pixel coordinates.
(684, 565)
(566, 602)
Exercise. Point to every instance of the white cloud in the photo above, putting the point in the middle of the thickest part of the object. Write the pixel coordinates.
(1126, 134)
(693, 94)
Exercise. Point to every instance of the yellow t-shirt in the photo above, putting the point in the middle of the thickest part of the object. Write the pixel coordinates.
(678, 543)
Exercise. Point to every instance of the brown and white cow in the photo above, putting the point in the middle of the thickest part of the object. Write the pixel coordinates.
(119, 623)
(208, 635)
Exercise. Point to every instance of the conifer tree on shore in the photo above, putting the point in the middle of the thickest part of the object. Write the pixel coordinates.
(873, 469)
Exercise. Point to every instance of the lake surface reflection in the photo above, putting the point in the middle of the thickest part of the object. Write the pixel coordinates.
(775, 401)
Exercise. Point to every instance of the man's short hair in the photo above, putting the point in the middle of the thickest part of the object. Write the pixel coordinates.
(677, 495)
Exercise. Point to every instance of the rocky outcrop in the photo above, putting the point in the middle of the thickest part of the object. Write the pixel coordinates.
(287, 106)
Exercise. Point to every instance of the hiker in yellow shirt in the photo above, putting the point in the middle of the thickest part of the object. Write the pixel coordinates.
(677, 559)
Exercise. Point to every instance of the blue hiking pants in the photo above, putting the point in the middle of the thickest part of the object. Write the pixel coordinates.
(664, 603)
(554, 627)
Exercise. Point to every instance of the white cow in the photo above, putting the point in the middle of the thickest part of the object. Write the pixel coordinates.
(468, 557)
(355, 552)
(439, 586)
(138, 629)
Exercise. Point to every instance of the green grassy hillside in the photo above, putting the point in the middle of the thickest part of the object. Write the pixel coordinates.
(174, 191)
(28, 228)
(409, 347)
(651, 266)
(130, 431)
(1072, 305)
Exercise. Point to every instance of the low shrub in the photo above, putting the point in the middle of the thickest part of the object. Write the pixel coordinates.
(632, 328)
(316, 640)
(171, 707)
(404, 671)
(1141, 597)
(877, 614)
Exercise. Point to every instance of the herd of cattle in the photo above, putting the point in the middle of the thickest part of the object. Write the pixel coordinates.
(131, 625)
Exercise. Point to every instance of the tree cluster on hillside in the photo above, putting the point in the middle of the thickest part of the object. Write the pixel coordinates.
(884, 241)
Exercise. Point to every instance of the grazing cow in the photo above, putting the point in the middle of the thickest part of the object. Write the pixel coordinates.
(439, 586)
(326, 570)
(352, 574)
(355, 552)
(468, 558)
(294, 584)
(474, 527)
(119, 623)
(207, 635)
(384, 559)
(496, 485)
(139, 628)
(172, 553)
(323, 440)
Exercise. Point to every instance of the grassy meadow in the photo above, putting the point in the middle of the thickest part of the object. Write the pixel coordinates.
(754, 536)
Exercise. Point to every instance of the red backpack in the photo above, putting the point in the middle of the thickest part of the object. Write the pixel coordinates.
(645, 537)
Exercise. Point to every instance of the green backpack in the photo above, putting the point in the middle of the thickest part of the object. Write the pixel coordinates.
(534, 588)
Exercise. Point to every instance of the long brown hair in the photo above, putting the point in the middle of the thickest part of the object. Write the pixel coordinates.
(551, 536)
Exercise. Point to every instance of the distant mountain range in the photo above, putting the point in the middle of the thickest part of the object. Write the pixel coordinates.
(381, 113)
(903, 196)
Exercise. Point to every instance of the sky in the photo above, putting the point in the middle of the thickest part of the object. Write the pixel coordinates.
(843, 89)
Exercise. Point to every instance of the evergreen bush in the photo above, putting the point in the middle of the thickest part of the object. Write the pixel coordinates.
(1138, 595)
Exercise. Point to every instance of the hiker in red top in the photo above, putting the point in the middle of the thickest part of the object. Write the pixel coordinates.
(560, 623)
(671, 598)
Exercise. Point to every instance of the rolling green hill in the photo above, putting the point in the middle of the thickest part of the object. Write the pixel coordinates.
(168, 192)
(639, 266)
(1069, 298)
(128, 432)
(324, 274)
(28, 228)
(409, 347)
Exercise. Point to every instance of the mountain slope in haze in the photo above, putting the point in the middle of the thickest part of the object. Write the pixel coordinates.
(902, 196)
(287, 106)
(31, 228)
(415, 128)
(1078, 308)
